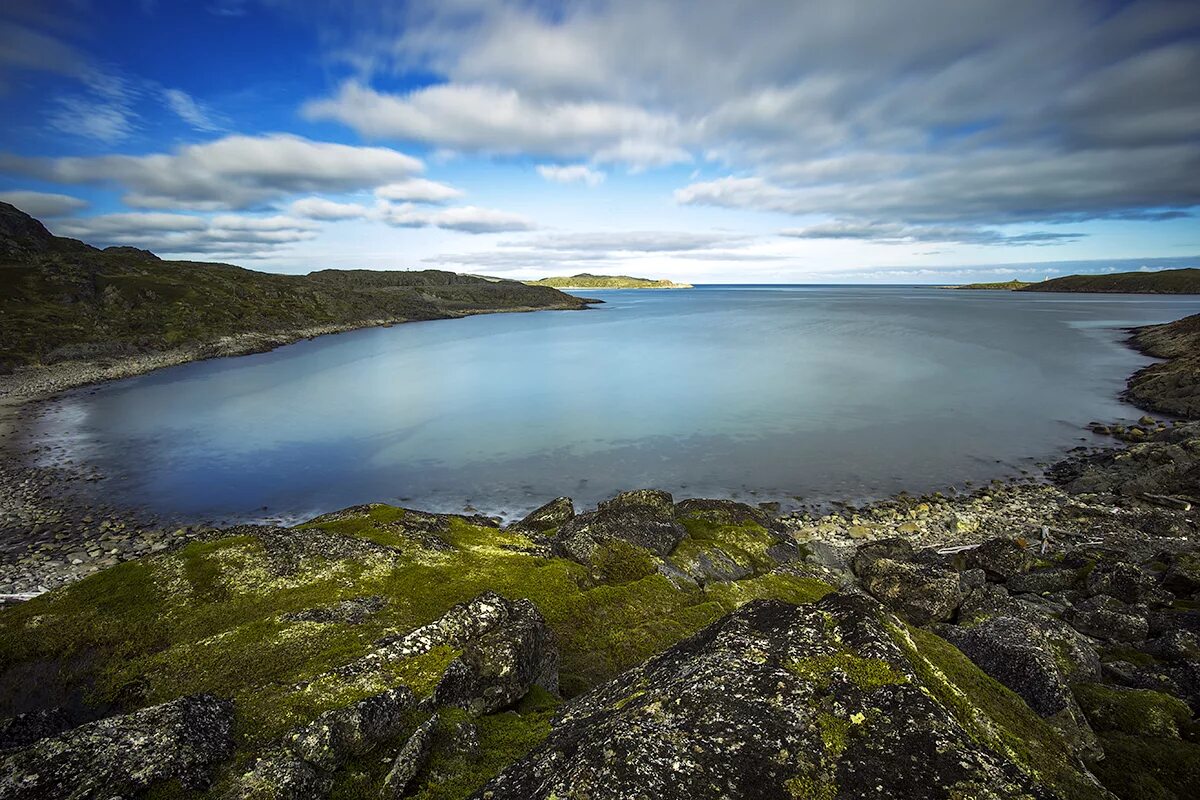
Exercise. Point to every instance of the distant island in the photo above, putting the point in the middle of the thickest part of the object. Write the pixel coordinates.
(1167, 281)
(585, 280)
(86, 314)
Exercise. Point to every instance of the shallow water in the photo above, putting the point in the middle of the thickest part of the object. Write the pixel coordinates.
(762, 393)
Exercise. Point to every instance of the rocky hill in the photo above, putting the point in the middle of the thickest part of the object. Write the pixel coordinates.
(1167, 281)
(61, 299)
(585, 280)
(1172, 387)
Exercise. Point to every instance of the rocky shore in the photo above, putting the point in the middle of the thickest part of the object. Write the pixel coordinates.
(1036, 639)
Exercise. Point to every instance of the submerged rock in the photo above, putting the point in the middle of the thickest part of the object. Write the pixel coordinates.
(183, 740)
(780, 701)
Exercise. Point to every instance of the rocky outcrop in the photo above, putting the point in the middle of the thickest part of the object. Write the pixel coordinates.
(183, 741)
(644, 518)
(548, 517)
(775, 701)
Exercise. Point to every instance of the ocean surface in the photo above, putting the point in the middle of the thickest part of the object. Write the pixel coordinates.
(788, 393)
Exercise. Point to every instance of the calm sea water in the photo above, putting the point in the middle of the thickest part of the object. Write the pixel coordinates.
(745, 391)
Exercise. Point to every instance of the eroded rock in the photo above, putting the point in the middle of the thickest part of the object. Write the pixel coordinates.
(644, 518)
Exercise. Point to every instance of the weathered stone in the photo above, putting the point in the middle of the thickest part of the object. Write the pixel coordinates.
(1000, 558)
(1124, 581)
(920, 594)
(1042, 580)
(554, 514)
(723, 512)
(282, 775)
(645, 518)
(1182, 577)
(25, 729)
(409, 760)
(1105, 617)
(1017, 653)
(897, 549)
(182, 740)
(339, 734)
(773, 701)
(1175, 645)
(351, 612)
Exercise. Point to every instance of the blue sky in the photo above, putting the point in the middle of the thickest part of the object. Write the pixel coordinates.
(768, 141)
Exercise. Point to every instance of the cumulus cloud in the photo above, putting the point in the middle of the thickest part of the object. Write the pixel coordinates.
(234, 172)
(43, 204)
(987, 113)
(418, 190)
(467, 219)
(573, 173)
(322, 209)
(485, 118)
(174, 234)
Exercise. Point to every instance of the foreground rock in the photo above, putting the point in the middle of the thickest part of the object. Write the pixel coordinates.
(779, 701)
(183, 740)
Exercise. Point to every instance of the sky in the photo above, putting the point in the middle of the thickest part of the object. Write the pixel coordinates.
(764, 141)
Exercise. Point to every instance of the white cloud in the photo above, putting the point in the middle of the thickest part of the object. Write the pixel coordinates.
(490, 119)
(186, 234)
(102, 120)
(322, 209)
(43, 204)
(234, 172)
(574, 173)
(418, 190)
(467, 219)
(190, 111)
(898, 233)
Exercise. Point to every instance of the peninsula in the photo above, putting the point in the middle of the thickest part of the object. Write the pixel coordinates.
(1167, 281)
(585, 280)
(72, 314)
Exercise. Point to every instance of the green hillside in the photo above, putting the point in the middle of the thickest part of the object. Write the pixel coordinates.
(1167, 281)
(63, 299)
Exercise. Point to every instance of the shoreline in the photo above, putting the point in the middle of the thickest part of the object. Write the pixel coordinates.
(55, 535)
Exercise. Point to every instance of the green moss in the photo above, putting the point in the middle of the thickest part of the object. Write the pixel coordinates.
(1138, 712)
(865, 673)
(216, 617)
(1124, 652)
(618, 562)
(744, 543)
(835, 733)
(992, 715)
(1136, 768)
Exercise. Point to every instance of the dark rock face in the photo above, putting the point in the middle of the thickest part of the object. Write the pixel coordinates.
(1126, 582)
(921, 594)
(555, 514)
(342, 733)
(722, 512)
(1107, 618)
(1042, 580)
(351, 612)
(25, 729)
(182, 740)
(1000, 558)
(897, 549)
(410, 759)
(644, 517)
(773, 701)
(1021, 656)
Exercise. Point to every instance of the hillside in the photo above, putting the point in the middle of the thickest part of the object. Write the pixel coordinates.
(62, 299)
(1167, 281)
(585, 280)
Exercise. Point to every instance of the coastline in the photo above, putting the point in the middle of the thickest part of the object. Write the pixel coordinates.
(57, 536)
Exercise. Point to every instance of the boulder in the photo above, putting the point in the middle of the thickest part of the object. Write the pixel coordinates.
(342, 733)
(552, 515)
(25, 729)
(723, 512)
(280, 774)
(780, 701)
(1182, 577)
(920, 594)
(1104, 617)
(1000, 558)
(505, 648)
(409, 760)
(1041, 581)
(183, 740)
(897, 549)
(644, 518)
(1126, 582)
(1018, 653)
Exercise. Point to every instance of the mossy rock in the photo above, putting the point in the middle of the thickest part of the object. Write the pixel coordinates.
(1137, 712)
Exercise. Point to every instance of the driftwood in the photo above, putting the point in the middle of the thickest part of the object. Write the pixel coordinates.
(1166, 501)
